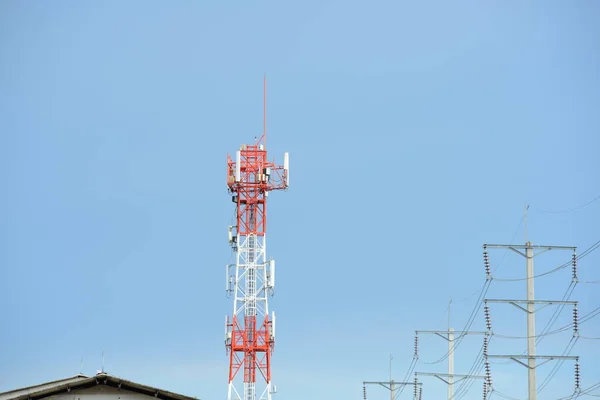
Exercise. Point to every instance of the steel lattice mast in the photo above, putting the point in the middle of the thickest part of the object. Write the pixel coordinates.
(250, 332)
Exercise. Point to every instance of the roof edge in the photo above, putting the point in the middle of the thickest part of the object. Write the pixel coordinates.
(55, 382)
(85, 382)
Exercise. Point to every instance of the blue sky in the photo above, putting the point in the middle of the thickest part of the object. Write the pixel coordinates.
(417, 131)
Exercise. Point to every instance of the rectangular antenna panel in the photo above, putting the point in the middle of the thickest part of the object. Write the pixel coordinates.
(272, 273)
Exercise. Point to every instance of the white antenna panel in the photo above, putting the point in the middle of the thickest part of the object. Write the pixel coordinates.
(226, 278)
(238, 162)
(272, 273)
(286, 167)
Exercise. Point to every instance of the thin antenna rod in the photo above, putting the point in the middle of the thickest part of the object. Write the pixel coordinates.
(265, 110)
(102, 361)
(449, 319)
(525, 220)
(263, 138)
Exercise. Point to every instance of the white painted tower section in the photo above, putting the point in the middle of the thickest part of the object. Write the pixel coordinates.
(253, 283)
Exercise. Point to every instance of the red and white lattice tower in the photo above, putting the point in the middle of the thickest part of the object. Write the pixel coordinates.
(250, 332)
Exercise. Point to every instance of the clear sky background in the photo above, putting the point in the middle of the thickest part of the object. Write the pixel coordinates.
(417, 131)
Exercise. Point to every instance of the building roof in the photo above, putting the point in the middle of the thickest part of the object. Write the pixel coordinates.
(83, 382)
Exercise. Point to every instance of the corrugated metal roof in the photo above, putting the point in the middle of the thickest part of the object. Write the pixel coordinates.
(81, 382)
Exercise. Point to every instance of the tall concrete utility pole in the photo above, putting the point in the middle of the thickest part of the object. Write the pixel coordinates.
(527, 251)
(450, 361)
(450, 378)
(450, 353)
(532, 384)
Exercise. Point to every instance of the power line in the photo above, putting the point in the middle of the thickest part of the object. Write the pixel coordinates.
(505, 396)
(595, 312)
(585, 391)
(585, 253)
(567, 295)
(409, 372)
(475, 369)
(511, 242)
(554, 332)
(574, 339)
(477, 364)
(590, 249)
(563, 266)
(470, 321)
(528, 252)
(590, 315)
(449, 378)
(557, 312)
(469, 297)
(593, 387)
(571, 209)
(559, 364)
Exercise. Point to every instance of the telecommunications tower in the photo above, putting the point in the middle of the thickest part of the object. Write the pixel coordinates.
(250, 332)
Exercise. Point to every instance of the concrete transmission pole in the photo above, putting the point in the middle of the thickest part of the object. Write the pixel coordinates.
(449, 378)
(532, 383)
(450, 361)
(527, 251)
